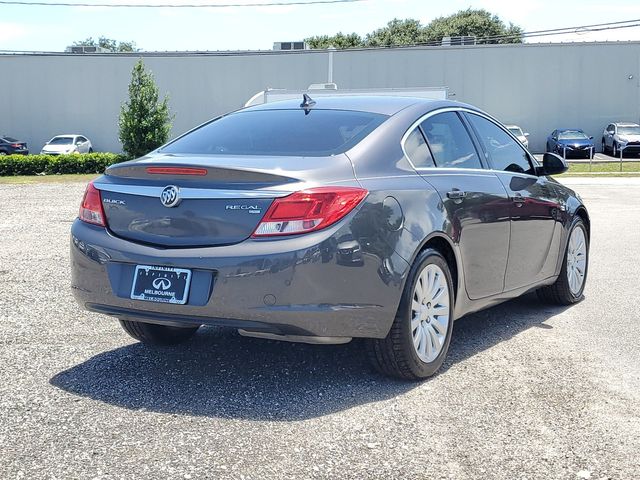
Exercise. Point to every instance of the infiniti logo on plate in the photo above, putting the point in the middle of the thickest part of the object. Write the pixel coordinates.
(161, 283)
(170, 196)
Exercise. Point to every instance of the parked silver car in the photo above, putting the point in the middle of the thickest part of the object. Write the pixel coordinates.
(65, 144)
(519, 134)
(617, 134)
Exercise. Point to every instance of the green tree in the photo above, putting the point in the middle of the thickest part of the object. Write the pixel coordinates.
(397, 32)
(145, 121)
(479, 23)
(339, 41)
(108, 43)
(473, 22)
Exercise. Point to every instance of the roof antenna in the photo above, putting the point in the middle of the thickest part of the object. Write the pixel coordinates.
(307, 103)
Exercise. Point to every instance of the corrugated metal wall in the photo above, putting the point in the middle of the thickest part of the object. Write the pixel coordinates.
(539, 87)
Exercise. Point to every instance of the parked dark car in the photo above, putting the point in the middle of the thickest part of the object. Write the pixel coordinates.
(571, 142)
(621, 134)
(383, 218)
(11, 146)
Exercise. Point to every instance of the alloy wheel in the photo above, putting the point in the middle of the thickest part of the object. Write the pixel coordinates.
(576, 260)
(430, 313)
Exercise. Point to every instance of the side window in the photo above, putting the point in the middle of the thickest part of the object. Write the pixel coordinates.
(504, 152)
(417, 150)
(450, 143)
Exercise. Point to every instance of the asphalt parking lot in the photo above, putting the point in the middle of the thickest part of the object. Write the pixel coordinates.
(528, 391)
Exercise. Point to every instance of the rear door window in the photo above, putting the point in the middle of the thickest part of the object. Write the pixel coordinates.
(503, 151)
(449, 141)
(417, 150)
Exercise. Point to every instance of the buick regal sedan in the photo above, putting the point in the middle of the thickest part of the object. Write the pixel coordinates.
(382, 218)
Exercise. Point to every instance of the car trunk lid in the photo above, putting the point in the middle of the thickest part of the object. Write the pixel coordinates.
(186, 201)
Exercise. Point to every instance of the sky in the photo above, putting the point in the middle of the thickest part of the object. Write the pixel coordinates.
(46, 28)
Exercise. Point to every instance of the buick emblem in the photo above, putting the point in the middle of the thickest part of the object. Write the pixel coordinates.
(161, 283)
(170, 196)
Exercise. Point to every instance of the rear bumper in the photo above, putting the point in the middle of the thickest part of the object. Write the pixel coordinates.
(292, 286)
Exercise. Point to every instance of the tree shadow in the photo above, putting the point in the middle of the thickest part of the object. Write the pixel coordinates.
(220, 374)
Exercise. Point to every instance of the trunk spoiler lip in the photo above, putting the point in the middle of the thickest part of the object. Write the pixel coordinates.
(190, 193)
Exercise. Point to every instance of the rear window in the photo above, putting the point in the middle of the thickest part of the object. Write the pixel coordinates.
(8, 139)
(279, 132)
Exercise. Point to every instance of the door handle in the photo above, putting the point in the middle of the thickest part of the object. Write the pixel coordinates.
(456, 194)
(518, 199)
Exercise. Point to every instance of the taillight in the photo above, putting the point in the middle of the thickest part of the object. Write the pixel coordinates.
(16, 145)
(91, 207)
(309, 210)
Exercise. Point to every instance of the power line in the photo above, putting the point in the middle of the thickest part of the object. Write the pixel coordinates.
(166, 5)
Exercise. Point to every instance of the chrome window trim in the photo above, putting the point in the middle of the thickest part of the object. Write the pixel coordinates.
(415, 124)
(191, 193)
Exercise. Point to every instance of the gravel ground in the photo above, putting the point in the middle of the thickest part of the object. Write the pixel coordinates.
(528, 391)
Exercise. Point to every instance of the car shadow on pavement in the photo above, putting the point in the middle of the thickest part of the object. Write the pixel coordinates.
(221, 374)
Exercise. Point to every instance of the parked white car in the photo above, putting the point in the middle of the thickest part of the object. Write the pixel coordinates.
(619, 134)
(517, 132)
(65, 144)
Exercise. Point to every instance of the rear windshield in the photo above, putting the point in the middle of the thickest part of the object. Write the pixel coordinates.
(8, 139)
(61, 141)
(516, 131)
(279, 132)
(572, 135)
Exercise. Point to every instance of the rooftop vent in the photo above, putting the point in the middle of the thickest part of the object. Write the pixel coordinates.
(290, 46)
(463, 40)
(85, 49)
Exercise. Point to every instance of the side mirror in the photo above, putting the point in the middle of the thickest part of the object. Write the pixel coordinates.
(552, 164)
(526, 134)
(590, 138)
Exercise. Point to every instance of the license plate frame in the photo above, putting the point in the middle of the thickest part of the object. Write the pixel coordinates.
(152, 283)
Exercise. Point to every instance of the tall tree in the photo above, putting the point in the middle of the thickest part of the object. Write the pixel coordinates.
(397, 32)
(109, 44)
(478, 23)
(145, 121)
(339, 40)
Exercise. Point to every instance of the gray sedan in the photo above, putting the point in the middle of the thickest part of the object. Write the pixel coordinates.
(382, 218)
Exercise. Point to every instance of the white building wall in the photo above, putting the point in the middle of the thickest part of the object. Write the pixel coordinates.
(539, 86)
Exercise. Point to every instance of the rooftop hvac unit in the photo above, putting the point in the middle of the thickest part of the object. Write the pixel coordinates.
(462, 40)
(86, 49)
(290, 46)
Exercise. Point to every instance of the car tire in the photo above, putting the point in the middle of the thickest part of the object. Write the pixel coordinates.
(153, 334)
(418, 340)
(614, 150)
(3, 153)
(565, 290)
(90, 150)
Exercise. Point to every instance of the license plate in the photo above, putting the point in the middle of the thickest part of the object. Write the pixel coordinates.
(161, 284)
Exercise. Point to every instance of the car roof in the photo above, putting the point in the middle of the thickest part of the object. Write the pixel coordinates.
(382, 104)
(512, 126)
(626, 124)
(68, 135)
(570, 130)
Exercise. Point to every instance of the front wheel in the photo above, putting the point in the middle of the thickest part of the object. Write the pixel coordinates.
(569, 286)
(419, 338)
(614, 150)
(153, 334)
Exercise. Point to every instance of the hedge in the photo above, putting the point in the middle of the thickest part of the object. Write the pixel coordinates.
(11, 165)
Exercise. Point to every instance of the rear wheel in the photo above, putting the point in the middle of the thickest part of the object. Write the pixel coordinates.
(90, 150)
(569, 286)
(417, 343)
(152, 334)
